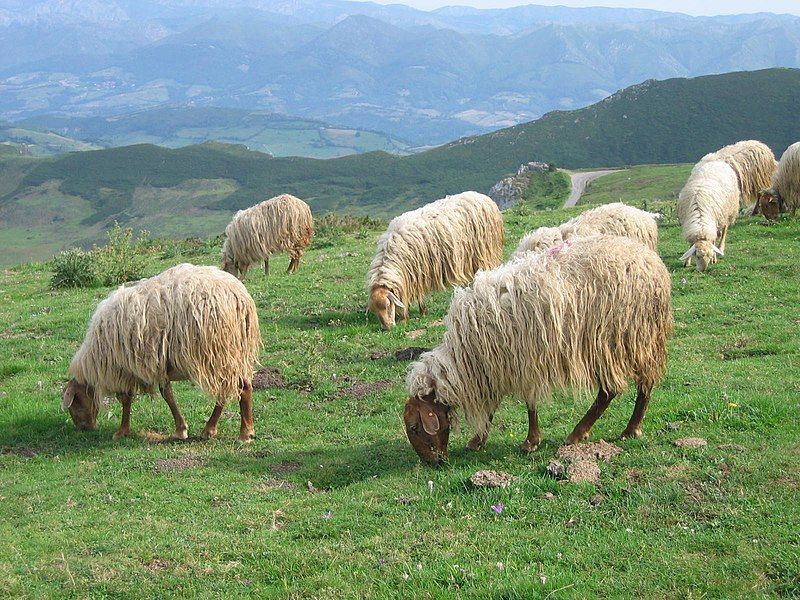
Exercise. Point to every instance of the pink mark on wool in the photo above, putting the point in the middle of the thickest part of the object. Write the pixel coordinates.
(556, 250)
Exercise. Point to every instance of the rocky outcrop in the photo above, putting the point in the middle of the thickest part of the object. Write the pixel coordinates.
(507, 192)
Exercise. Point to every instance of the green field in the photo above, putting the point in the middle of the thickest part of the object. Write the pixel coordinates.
(639, 185)
(84, 516)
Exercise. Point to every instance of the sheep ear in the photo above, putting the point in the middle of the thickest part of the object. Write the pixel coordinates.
(690, 252)
(68, 396)
(717, 250)
(430, 422)
(396, 301)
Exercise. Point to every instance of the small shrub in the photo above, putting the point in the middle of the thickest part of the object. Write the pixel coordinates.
(330, 227)
(121, 259)
(74, 268)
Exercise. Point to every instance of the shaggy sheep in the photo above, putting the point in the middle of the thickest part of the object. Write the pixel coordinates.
(707, 205)
(195, 323)
(592, 311)
(610, 219)
(754, 165)
(784, 194)
(280, 223)
(432, 248)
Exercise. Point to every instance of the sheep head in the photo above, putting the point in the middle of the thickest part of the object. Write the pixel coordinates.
(770, 204)
(383, 304)
(78, 399)
(704, 252)
(428, 427)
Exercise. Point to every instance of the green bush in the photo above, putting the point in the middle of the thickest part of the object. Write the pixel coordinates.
(74, 268)
(330, 227)
(121, 259)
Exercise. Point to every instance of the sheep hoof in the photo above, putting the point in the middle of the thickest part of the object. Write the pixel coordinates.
(121, 433)
(207, 434)
(631, 434)
(576, 437)
(248, 437)
(180, 434)
(529, 446)
(476, 443)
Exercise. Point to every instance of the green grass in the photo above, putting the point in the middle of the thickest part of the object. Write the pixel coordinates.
(639, 185)
(84, 516)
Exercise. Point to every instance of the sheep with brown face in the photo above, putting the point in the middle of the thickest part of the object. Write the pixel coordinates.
(188, 323)
(432, 248)
(784, 194)
(593, 312)
(280, 224)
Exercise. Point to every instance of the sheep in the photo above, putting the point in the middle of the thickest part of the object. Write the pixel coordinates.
(754, 165)
(432, 248)
(610, 219)
(188, 323)
(592, 311)
(784, 193)
(707, 206)
(280, 223)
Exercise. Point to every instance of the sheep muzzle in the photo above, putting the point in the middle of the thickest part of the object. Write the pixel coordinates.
(428, 428)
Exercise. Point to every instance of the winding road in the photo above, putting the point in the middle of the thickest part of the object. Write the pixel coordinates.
(581, 180)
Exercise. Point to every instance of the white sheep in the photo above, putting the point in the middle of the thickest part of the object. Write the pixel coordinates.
(591, 312)
(282, 223)
(754, 165)
(610, 219)
(195, 323)
(707, 206)
(432, 248)
(784, 193)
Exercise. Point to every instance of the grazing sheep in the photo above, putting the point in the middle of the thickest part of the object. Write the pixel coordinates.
(432, 248)
(784, 194)
(707, 205)
(280, 223)
(195, 323)
(592, 311)
(754, 165)
(610, 219)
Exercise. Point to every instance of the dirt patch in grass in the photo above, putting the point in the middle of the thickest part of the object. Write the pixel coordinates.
(285, 467)
(156, 565)
(268, 377)
(691, 442)
(167, 465)
(270, 484)
(492, 479)
(600, 450)
(411, 353)
(23, 452)
(584, 470)
(359, 390)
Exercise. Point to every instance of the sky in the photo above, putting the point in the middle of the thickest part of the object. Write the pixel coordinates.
(692, 7)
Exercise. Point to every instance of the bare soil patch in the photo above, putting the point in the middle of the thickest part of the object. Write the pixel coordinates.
(691, 442)
(285, 467)
(492, 479)
(166, 465)
(583, 470)
(600, 450)
(268, 377)
(411, 353)
(270, 484)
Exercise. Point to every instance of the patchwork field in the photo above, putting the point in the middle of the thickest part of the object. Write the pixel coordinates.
(330, 501)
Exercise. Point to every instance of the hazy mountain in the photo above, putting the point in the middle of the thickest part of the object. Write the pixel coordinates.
(423, 76)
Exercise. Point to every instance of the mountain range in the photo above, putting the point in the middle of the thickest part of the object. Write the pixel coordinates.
(50, 203)
(426, 77)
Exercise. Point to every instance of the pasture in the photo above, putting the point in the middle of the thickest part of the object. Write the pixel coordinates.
(330, 501)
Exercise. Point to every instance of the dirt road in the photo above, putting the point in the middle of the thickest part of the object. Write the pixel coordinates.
(581, 180)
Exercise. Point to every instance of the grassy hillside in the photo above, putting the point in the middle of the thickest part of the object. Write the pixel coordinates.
(83, 515)
(262, 131)
(677, 120)
(641, 184)
(36, 142)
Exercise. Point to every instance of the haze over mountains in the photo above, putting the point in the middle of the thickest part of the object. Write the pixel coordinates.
(425, 77)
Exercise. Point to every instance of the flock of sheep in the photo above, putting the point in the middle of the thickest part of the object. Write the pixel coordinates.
(584, 305)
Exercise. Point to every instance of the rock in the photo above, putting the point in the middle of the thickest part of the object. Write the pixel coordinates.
(492, 479)
(690, 442)
(556, 469)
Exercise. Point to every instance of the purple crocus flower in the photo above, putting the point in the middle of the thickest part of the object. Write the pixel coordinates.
(498, 508)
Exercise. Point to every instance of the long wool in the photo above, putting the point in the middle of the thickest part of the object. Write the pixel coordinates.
(610, 219)
(442, 244)
(787, 179)
(754, 165)
(282, 223)
(196, 323)
(591, 311)
(709, 201)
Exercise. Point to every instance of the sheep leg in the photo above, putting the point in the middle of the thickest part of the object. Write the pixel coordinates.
(478, 441)
(246, 432)
(534, 435)
(582, 429)
(125, 426)
(181, 429)
(724, 237)
(293, 264)
(423, 310)
(688, 262)
(266, 267)
(210, 430)
(634, 428)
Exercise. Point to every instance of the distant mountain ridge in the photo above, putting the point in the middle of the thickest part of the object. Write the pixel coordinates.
(46, 204)
(427, 77)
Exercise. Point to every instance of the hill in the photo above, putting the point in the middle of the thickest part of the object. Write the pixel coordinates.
(92, 517)
(178, 126)
(49, 203)
(426, 77)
